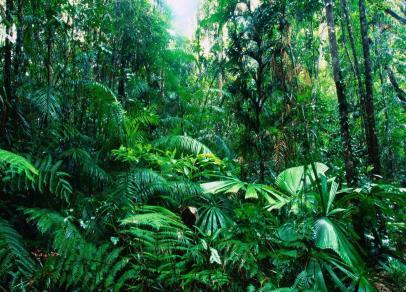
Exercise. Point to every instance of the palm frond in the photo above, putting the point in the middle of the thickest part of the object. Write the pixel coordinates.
(291, 179)
(328, 235)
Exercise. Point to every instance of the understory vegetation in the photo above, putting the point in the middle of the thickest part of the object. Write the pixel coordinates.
(266, 153)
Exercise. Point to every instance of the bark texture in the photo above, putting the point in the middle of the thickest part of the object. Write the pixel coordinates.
(342, 101)
(370, 128)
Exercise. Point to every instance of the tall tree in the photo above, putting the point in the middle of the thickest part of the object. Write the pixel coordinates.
(7, 73)
(342, 101)
(370, 128)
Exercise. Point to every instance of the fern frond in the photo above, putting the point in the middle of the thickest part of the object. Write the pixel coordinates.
(157, 227)
(15, 164)
(137, 87)
(182, 192)
(182, 144)
(139, 184)
(104, 102)
(87, 163)
(79, 262)
(47, 103)
(50, 179)
(15, 260)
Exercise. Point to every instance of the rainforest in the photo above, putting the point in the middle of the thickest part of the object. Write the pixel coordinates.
(202, 145)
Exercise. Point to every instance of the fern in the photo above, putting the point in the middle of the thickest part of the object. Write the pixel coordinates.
(183, 192)
(50, 179)
(104, 102)
(140, 184)
(15, 260)
(78, 263)
(137, 87)
(47, 103)
(157, 229)
(182, 144)
(16, 164)
(88, 164)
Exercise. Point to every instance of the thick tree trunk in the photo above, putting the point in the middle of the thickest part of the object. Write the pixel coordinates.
(340, 87)
(372, 139)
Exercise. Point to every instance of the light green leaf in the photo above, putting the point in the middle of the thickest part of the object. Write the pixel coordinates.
(251, 193)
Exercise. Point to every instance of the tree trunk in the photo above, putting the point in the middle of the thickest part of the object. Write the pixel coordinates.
(18, 59)
(340, 87)
(344, 7)
(48, 65)
(357, 70)
(7, 79)
(372, 139)
(258, 109)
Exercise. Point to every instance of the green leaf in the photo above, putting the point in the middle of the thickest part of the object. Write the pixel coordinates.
(327, 235)
(291, 179)
(251, 192)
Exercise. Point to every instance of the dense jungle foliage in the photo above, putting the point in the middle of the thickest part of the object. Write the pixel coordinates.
(266, 153)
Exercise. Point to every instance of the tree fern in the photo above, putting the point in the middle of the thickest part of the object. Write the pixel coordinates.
(160, 237)
(137, 87)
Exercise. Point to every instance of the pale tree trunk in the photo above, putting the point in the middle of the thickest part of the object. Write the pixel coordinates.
(342, 102)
